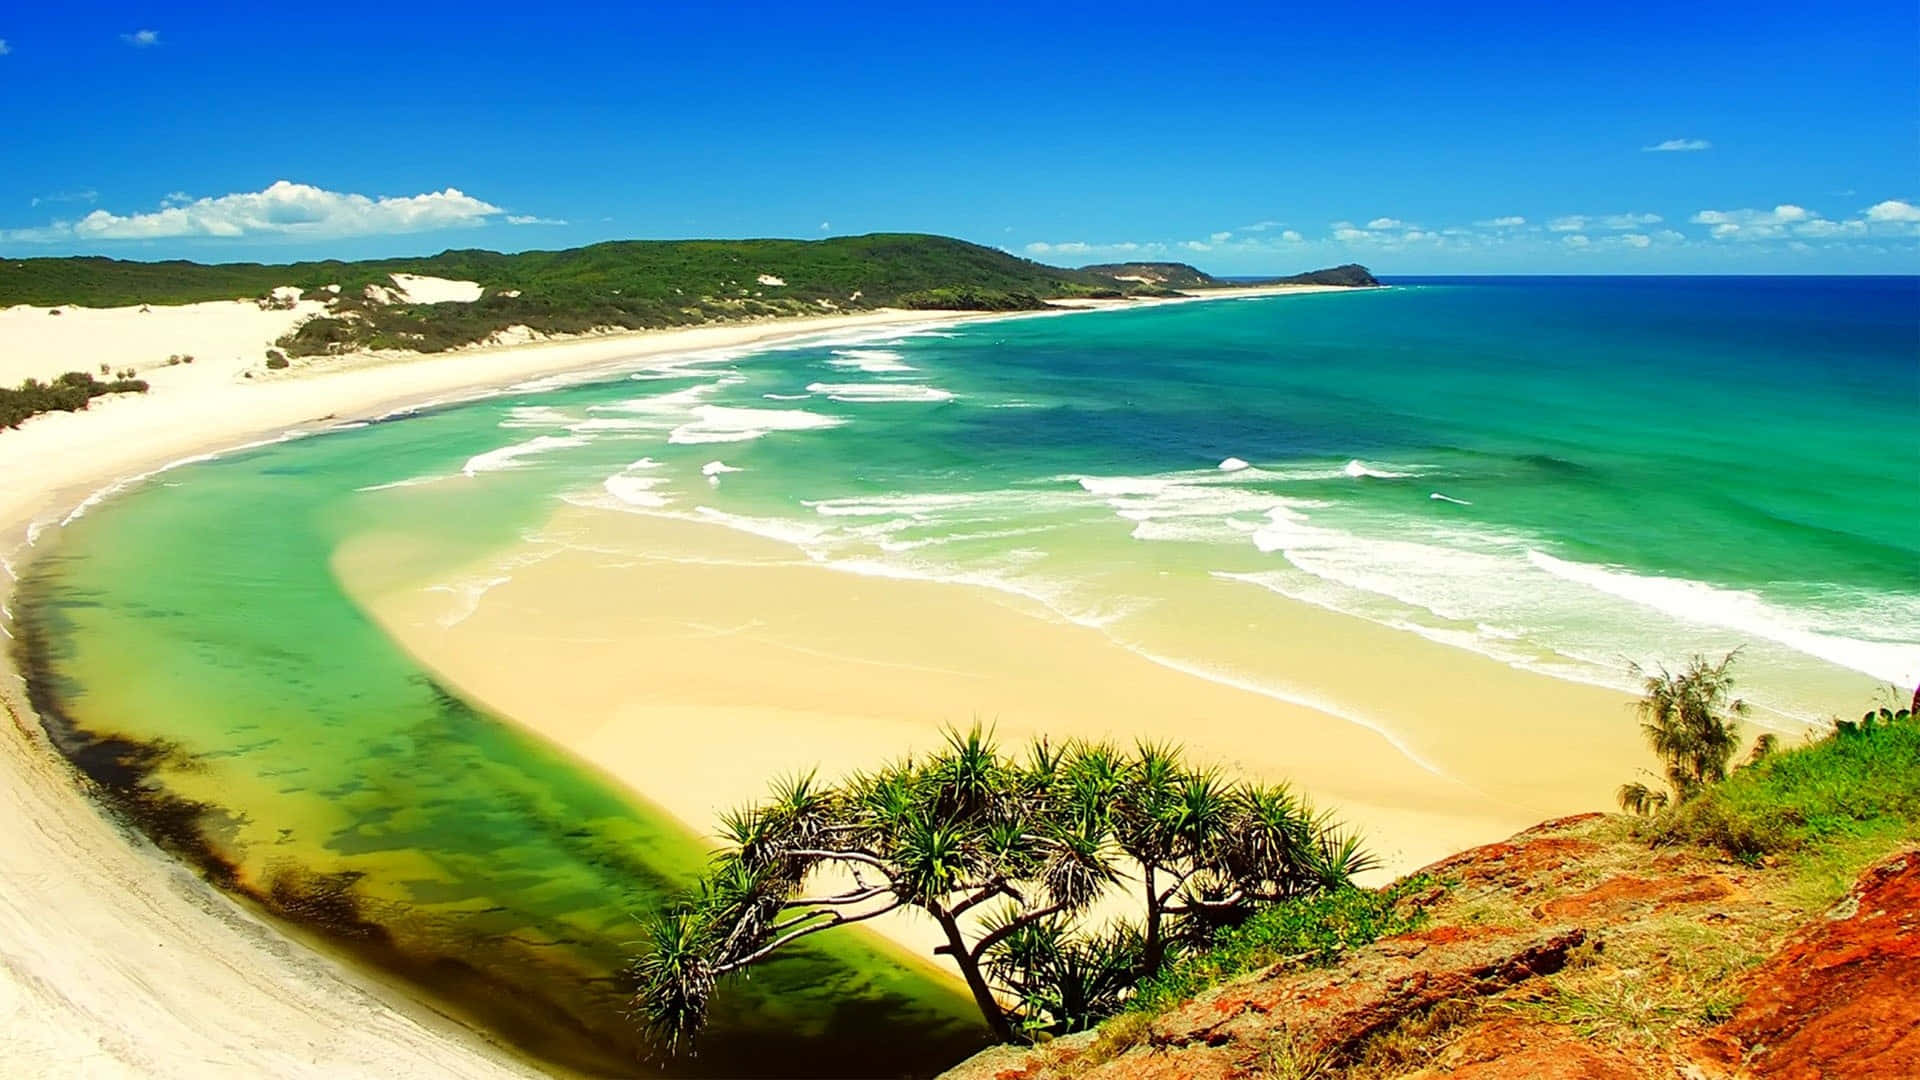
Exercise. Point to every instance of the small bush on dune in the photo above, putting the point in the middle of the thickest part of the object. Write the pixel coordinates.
(68, 393)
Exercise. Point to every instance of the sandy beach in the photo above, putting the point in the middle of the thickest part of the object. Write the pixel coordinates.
(693, 663)
(119, 962)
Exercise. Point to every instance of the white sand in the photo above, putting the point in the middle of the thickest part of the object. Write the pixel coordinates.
(115, 961)
(224, 337)
(418, 289)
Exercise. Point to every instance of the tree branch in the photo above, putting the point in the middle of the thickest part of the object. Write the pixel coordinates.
(980, 947)
(843, 856)
(834, 918)
(853, 897)
(986, 893)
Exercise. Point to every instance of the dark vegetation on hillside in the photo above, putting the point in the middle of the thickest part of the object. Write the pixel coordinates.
(632, 284)
(67, 393)
(1170, 275)
(1350, 275)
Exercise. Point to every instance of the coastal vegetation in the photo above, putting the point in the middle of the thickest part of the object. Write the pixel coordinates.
(623, 285)
(67, 393)
(1768, 928)
(1009, 856)
(1859, 774)
(1690, 719)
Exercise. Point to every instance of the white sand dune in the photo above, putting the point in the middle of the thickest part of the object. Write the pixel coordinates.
(224, 337)
(416, 289)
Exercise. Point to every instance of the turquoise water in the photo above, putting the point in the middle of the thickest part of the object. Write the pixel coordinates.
(1566, 474)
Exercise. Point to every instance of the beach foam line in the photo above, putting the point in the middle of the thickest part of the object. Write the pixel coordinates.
(106, 492)
(1437, 497)
(1232, 464)
(1742, 611)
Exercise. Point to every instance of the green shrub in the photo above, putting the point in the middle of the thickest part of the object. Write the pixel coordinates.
(1859, 776)
(1315, 930)
(68, 393)
(970, 299)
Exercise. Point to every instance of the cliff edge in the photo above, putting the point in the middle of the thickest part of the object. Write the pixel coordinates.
(1572, 951)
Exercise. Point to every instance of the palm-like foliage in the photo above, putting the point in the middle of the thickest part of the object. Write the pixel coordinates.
(1048, 835)
(1691, 720)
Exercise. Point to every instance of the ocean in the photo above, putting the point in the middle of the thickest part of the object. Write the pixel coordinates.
(1569, 475)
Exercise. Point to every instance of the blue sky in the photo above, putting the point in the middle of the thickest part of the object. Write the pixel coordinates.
(1243, 138)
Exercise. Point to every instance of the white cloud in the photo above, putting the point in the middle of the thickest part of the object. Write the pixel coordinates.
(4, 47)
(1386, 223)
(141, 39)
(827, 226)
(1670, 146)
(1196, 245)
(1639, 240)
(1290, 236)
(1893, 210)
(1221, 237)
(1511, 222)
(1759, 224)
(1120, 249)
(1577, 240)
(1261, 226)
(1616, 222)
(83, 195)
(528, 219)
(284, 209)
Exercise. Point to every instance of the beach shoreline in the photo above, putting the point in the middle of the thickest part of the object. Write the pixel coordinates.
(118, 954)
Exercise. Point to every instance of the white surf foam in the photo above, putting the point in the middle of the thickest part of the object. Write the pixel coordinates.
(1437, 497)
(1357, 468)
(871, 361)
(717, 424)
(1232, 464)
(715, 468)
(507, 457)
(412, 481)
(1741, 611)
(867, 393)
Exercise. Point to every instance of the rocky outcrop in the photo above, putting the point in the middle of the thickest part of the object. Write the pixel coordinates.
(1842, 998)
(1351, 275)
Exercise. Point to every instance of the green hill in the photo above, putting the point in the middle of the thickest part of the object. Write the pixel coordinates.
(629, 284)
(1166, 275)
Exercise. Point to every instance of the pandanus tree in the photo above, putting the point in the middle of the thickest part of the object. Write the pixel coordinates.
(1009, 856)
(1691, 720)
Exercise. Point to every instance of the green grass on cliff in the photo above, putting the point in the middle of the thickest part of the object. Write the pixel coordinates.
(1312, 931)
(1861, 778)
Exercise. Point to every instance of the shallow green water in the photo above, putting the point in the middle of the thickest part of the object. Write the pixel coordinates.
(322, 750)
